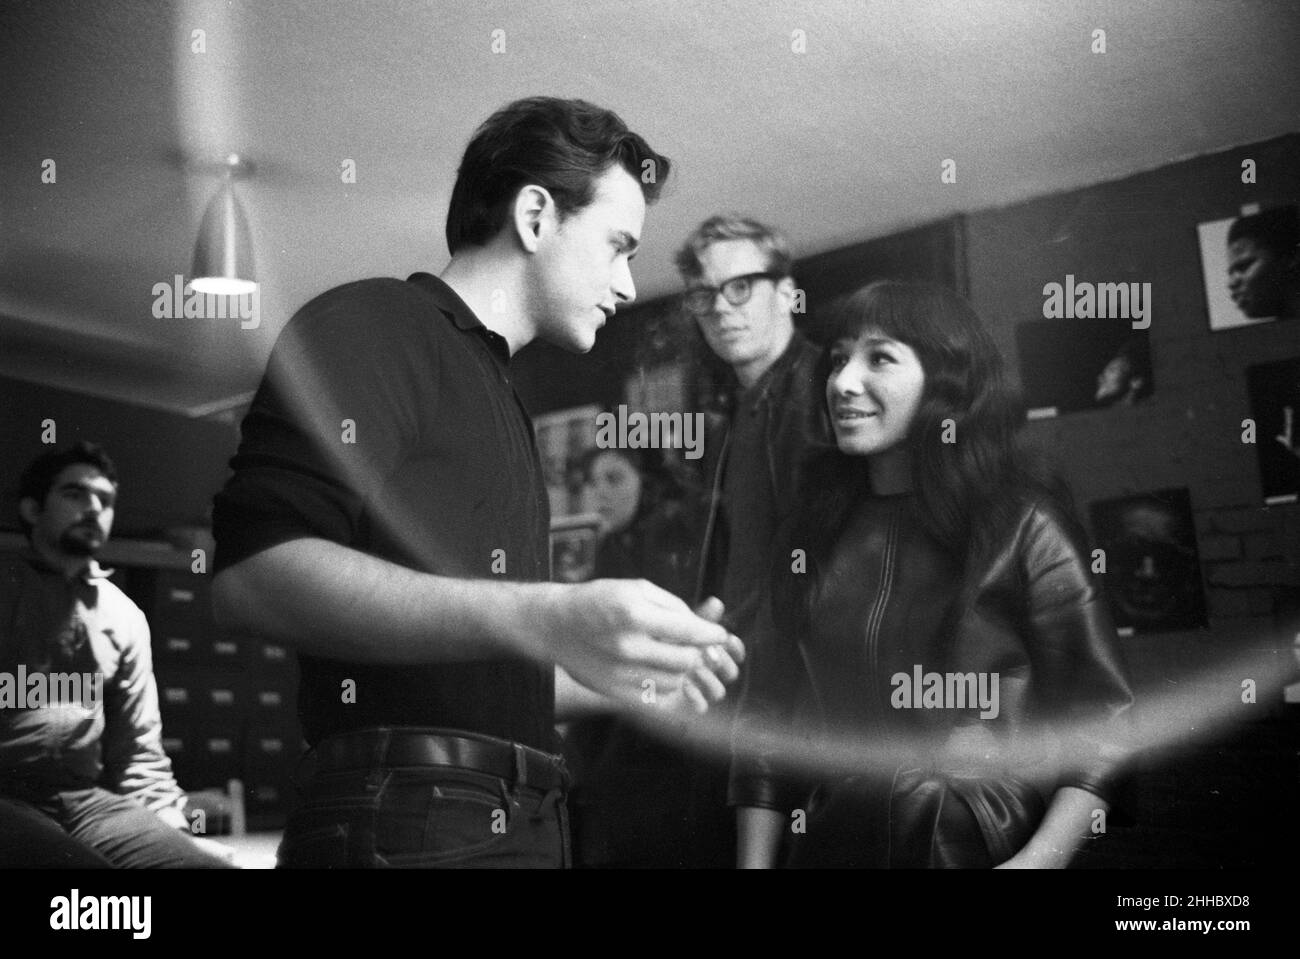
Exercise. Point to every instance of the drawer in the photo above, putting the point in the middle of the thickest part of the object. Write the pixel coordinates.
(179, 744)
(209, 696)
(175, 598)
(178, 647)
(269, 659)
(227, 652)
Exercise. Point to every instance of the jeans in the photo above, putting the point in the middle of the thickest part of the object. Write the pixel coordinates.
(424, 817)
(91, 828)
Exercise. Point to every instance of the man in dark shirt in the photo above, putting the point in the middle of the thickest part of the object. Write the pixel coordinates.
(740, 292)
(387, 517)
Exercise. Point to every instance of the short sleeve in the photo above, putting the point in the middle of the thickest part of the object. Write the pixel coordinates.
(1083, 686)
(339, 407)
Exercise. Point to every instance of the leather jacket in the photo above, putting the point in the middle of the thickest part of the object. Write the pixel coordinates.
(791, 400)
(892, 607)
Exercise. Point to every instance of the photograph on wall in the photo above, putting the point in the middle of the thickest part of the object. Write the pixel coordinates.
(1251, 266)
(562, 437)
(1073, 364)
(1274, 390)
(1153, 570)
(573, 547)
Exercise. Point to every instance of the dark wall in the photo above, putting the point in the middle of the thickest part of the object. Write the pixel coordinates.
(169, 466)
(934, 252)
(1189, 432)
(1227, 792)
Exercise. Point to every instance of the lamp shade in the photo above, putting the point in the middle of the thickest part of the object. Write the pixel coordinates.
(223, 256)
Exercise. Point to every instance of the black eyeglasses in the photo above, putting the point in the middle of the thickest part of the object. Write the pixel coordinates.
(699, 300)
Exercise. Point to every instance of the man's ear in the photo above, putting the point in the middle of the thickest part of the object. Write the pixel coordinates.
(785, 290)
(533, 214)
(29, 510)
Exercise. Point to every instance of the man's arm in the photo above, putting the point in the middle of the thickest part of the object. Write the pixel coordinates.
(134, 762)
(574, 700)
(611, 636)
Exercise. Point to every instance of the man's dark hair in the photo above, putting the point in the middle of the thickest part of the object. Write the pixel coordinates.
(562, 145)
(39, 476)
(1276, 229)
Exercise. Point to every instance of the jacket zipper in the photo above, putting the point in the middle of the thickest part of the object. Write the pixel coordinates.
(874, 621)
(877, 615)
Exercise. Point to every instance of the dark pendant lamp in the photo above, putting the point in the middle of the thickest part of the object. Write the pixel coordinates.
(223, 256)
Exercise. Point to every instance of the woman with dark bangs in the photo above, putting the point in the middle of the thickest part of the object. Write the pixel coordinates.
(947, 603)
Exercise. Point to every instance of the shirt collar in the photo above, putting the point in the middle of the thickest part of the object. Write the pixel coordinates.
(458, 311)
(92, 570)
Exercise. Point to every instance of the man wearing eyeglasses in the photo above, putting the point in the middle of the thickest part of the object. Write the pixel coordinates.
(740, 292)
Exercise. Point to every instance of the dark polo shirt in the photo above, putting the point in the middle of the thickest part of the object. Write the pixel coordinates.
(386, 422)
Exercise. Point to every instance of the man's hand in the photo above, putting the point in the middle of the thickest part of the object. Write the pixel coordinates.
(689, 694)
(634, 642)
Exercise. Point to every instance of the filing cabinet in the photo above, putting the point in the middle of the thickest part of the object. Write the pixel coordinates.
(228, 703)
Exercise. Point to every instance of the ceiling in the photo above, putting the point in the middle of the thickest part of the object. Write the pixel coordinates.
(837, 144)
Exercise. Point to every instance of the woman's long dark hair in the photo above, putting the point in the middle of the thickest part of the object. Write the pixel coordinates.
(968, 491)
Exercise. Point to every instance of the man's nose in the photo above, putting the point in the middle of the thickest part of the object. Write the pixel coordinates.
(623, 286)
(721, 306)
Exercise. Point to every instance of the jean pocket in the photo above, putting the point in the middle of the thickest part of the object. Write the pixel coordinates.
(429, 821)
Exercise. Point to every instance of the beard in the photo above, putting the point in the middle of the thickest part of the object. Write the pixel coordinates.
(81, 541)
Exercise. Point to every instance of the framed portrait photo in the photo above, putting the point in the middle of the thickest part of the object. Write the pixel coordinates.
(573, 547)
(1074, 364)
(1249, 266)
(1274, 390)
(1153, 568)
(562, 438)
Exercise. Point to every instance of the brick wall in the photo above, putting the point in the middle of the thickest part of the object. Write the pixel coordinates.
(1216, 801)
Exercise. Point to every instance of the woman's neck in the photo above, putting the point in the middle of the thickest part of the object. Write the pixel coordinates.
(890, 472)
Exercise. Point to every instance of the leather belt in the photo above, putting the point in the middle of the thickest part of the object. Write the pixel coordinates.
(426, 746)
